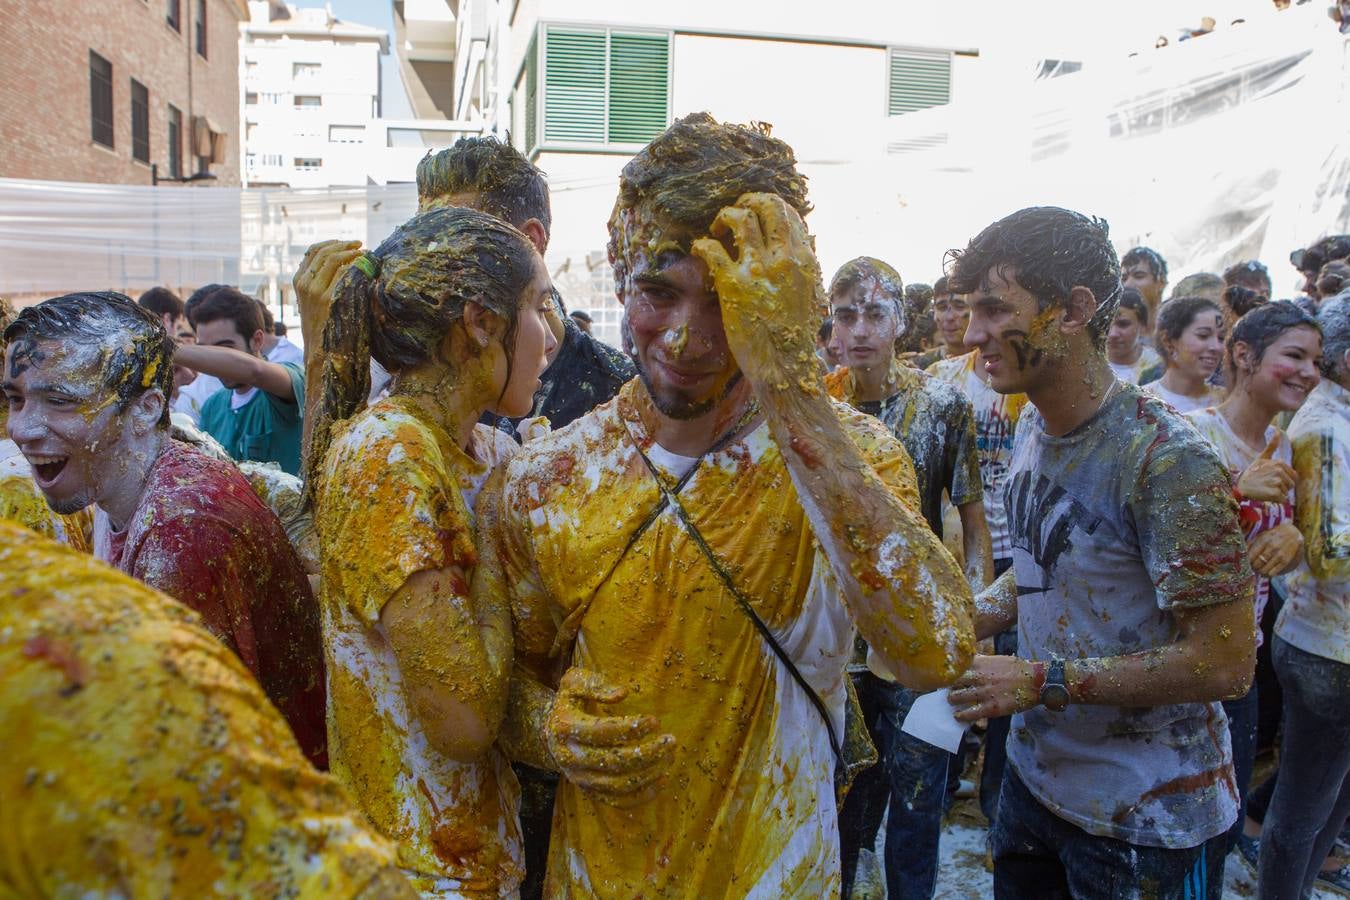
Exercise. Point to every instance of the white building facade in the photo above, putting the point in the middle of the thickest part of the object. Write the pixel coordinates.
(311, 97)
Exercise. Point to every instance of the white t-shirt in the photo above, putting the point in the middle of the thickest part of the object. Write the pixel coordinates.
(1180, 402)
(1254, 515)
(286, 352)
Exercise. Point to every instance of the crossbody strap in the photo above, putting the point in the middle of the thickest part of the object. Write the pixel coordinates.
(720, 570)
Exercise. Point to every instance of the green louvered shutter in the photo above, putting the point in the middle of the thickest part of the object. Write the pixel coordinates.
(639, 78)
(919, 79)
(574, 86)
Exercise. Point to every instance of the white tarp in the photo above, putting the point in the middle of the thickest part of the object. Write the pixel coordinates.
(1226, 147)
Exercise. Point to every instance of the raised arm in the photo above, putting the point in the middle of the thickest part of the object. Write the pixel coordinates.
(236, 367)
(907, 596)
(319, 271)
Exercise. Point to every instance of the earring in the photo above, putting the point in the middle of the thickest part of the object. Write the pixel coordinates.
(483, 341)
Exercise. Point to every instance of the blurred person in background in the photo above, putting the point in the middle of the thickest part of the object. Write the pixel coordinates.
(1311, 800)
(950, 315)
(1127, 351)
(582, 318)
(1189, 338)
(275, 347)
(1251, 274)
(1144, 269)
(257, 413)
(1271, 359)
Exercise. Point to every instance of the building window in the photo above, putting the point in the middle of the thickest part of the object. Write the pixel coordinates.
(171, 15)
(100, 99)
(346, 134)
(175, 142)
(140, 122)
(918, 79)
(201, 28)
(302, 102)
(301, 71)
(599, 87)
(308, 163)
(250, 98)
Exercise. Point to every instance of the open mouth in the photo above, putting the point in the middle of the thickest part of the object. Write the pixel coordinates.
(47, 468)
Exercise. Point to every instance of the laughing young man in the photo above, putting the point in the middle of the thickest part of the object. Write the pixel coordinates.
(1130, 588)
(634, 544)
(87, 379)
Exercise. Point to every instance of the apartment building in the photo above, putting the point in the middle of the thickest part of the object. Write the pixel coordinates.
(121, 91)
(310, 95)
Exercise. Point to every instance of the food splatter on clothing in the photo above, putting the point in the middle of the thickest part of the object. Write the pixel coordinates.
(394, 501)
(142, 760)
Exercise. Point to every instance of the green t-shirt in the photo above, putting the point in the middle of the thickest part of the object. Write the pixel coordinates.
(265, 429)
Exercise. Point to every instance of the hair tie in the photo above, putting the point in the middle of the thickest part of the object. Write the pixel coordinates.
(368, 264)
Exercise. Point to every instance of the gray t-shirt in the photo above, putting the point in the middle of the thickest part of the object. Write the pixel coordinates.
(1113, 526)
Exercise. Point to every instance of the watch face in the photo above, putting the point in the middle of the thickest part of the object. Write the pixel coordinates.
(1055, 697)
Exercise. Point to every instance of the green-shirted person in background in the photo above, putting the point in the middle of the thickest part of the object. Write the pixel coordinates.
(256, 416)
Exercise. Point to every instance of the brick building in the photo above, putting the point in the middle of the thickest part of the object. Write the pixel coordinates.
(101, 90)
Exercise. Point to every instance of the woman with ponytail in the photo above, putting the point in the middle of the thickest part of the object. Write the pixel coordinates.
(1271, 363)
(453, 304)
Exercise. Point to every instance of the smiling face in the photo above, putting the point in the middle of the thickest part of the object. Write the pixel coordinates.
(1123, 337)
(68, 424)
(1200, 348)
(534, 346)
(1018, 342)
(952, 313)
(868, 320)
(674, 319)
(1288, 371)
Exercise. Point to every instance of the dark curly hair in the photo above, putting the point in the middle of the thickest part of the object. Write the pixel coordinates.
(1049, 251)
(136, 353)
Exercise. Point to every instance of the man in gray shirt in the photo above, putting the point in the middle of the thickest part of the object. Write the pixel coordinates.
(1130, 587)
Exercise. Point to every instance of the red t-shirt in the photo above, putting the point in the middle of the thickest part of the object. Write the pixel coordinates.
(204, 538)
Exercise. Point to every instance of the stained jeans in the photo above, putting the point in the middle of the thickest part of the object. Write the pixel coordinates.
(1039, 856)
(1312, 797)
(910, 780)
(1242, 720)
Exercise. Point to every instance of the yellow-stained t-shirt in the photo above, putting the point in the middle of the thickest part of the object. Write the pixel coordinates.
(395, 501)
(21, 501)
(748, 805)
(142, 760)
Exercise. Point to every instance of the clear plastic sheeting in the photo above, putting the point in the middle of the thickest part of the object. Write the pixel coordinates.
(1226, 147)
(64, 236)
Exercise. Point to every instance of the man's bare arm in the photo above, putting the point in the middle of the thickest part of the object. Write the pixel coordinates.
(236, 367)
(1213, 658)
(977, 545)
(907, 596)
(996, 607)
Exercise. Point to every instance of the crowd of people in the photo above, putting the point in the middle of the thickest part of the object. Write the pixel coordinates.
(533, 616)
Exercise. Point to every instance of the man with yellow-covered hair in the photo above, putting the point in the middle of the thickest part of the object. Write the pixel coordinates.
(687, 564)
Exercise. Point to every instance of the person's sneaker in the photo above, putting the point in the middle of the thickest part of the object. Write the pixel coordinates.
(1249, 848)
(1337, 880)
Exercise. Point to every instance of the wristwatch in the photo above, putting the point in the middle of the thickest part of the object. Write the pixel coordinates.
(1055, 693)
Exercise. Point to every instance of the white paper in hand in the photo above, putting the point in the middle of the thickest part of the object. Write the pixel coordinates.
(931, 720)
